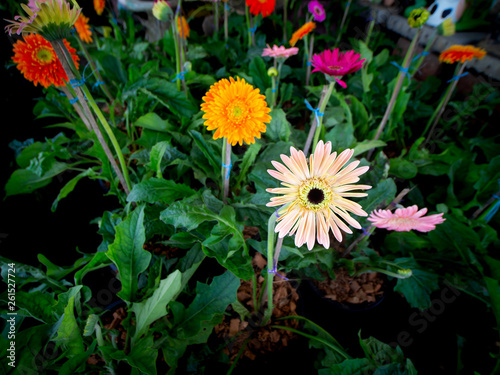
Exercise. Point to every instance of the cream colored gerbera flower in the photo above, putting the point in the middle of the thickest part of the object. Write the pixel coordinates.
(314, 197)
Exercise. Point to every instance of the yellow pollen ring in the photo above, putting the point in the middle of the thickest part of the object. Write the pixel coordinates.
(315, 183)
(44, 56)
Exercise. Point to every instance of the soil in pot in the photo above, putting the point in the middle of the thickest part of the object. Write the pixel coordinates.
(353, 293)
(262, 342)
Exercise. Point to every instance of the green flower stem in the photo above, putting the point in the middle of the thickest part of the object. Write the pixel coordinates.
(369, 269)
(285, 19)
(308, 65)
(177, 51)
(78, 108)
(216, 17)
(273, 93)
(226, 157)
(270, 266)
(436, 116)
(397, 87)
(226, 23)
(373, 14)
(322, 107)
(72, 73)
(96, 71)
(344, 18)
(427, 48)
(314, 124)
(249, 33)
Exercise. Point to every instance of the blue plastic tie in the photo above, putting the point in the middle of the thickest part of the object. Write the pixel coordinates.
(495, 207)
(275, 271)
(316, 111)
(97, 84)
(226, 7)
(253, 29)
(228, 169)
(365, 232)
(73, 101)
(179, 76)
(421, 54)
(456, 78)
(401, 69)
(76, 82)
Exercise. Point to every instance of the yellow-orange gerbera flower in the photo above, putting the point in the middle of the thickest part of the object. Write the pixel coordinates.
(183, 27)
(461, 53)
(99, 6)
(83, 28)
(302, 32)
(314, 199)
(38, 62)
(236, 110)
(264, 7)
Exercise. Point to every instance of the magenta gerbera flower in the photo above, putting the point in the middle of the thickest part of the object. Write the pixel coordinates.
(336, 64)
(279, 52)
(405, 219)
(317, 10)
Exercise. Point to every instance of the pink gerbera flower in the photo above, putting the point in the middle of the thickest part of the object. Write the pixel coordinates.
(405, 219)
(317, 10)
(279, 52)
(336, 64)
(315, 195)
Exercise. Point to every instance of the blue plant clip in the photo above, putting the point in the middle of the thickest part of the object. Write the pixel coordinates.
(316, 111)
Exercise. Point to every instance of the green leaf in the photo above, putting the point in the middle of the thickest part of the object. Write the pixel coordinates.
(24, 181)
(38, 305)
(248, 160)
(149, 138)
(152, 121)
(70, 186)
(208, 307)
(402, 168)
(258, 71)
(99, 260)
(57, 272)
(156, 157)
(143, 356)
(71, 365)
(154, 307)
(68, 332)
(379, 196)
(417, 289)
(90, 325)
(159, 190)
(279, 128)
(341, 136)
(367, 145)
(208, 152)
(127, 253)
(405, 242)
(357, 366)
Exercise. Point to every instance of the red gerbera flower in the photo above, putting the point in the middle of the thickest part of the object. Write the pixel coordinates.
(337, 64)
(264, 7)
(38, 62)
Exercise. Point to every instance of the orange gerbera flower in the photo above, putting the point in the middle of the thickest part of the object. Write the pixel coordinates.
(83, 28)
(461, 53)
(99, 6)
(302, 32)
(38, 62)
(183, 27)
(264, 7)
(236, 110)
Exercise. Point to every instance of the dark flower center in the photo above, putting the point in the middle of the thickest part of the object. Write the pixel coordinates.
(315, 196)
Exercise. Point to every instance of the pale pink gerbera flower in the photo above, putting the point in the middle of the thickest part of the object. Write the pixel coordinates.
(314, 197)
(405, 219)
(317, 10)
(335, 64)
(280, 52)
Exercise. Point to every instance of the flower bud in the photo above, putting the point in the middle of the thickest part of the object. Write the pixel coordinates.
(418, 17)
(272, 72)
(162, 10)
(188, 66)
(447, 27)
